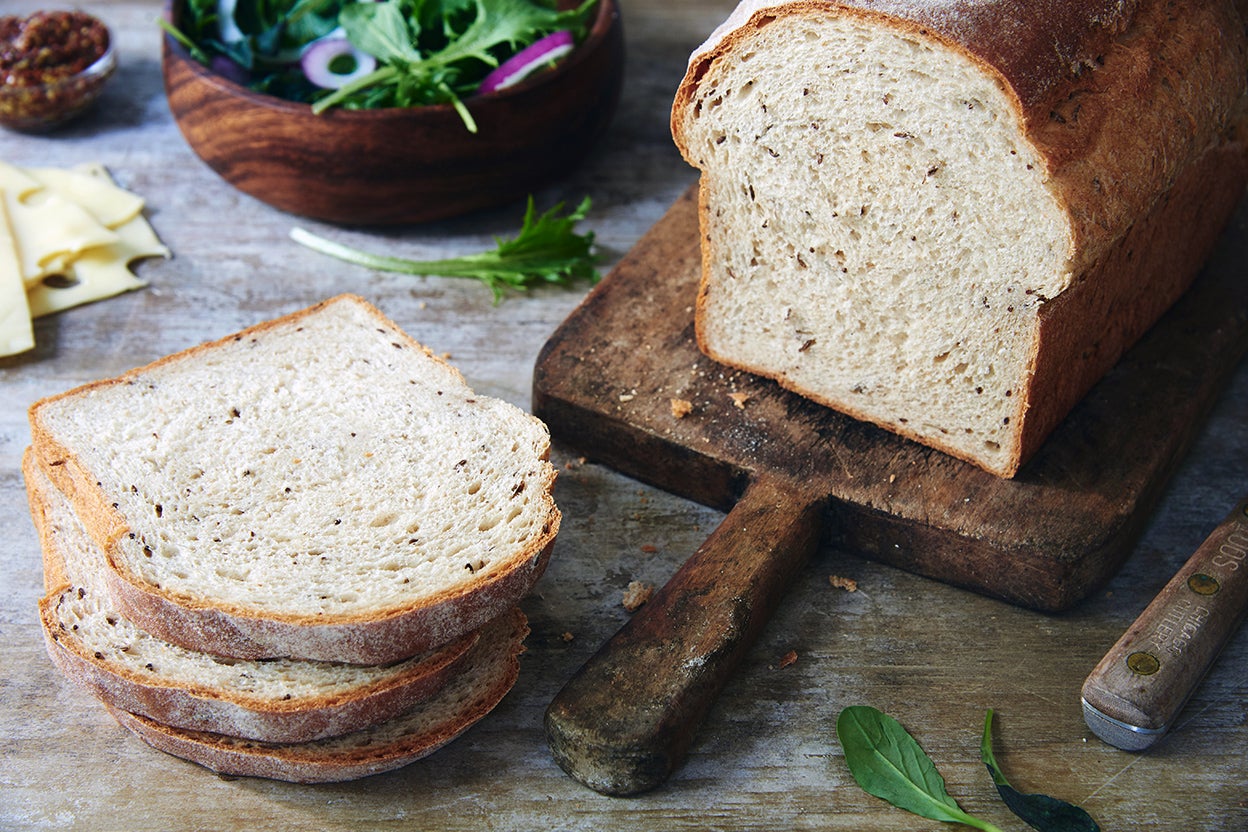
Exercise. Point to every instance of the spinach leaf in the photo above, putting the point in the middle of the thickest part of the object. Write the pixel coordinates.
(889, 763)
(310, 20)
(1048, 814)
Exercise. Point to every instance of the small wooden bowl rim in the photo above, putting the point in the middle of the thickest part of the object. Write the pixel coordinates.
(606, 20)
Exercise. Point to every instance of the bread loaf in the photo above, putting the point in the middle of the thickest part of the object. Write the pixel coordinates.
(280, 700)
(320, 486)
(488, 674)
(951, 219)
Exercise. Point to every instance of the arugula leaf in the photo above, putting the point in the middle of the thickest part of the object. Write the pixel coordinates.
(547, 250)
(1048, 814)
(888, 763)
(506, 22)
(184, 39)
(439, 53)
(429, 51)
(381, 30)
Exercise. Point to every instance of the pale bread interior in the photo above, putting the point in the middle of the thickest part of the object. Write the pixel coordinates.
(326, 466)
(879, 233)
(89, 623)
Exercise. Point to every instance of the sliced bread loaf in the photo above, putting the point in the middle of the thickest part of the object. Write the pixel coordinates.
(488, 674)
(279, 700)
(951, 219)
(319, 486)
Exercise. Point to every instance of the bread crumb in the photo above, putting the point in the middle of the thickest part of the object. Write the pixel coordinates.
(739, 399)
(649, 548)
(446, 356)
(637, 594)
(847, 584)
(681, 408)
(567, 636)
(787, 659)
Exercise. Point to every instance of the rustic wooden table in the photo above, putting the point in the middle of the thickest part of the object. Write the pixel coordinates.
(767, 758)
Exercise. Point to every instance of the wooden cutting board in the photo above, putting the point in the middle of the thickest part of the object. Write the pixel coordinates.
(792, 474)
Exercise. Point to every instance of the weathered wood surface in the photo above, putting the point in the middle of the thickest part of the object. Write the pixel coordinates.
(766, 757)
(606, 381)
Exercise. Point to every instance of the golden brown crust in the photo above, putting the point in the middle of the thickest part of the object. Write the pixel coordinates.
(1118, 97)
(213, 709)
(312, 763)
(358, 641)
(1134, 107)
(1088, 327)
(197, 708)
(228, 630)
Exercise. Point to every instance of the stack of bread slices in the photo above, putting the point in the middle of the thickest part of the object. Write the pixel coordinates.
(294, 553)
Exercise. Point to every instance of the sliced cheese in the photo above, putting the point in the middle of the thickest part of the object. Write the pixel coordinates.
(50, 231)
(67, 238)
(16, 181)
(94, 191)
(16, 333)
(98, 273)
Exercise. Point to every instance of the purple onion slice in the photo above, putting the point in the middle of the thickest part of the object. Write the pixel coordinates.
(333, 62)
(519, 66)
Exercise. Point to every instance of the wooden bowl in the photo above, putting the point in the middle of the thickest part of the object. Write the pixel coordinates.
(399, 165)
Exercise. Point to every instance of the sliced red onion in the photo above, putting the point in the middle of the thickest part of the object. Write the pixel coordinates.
(534, 56)
(227, 68)
(320, 62)
(227, 29)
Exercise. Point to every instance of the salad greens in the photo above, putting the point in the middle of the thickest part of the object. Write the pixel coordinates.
(1040, 811)
(547, 250)
(890, 764)
(427, 51)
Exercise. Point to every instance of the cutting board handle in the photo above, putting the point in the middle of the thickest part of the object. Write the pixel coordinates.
(623, 723)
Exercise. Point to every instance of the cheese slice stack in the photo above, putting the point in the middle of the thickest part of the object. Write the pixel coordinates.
(67, 237)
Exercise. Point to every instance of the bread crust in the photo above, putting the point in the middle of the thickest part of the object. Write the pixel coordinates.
(225, 629)
(204, 709)
(1107, 90)
(1085, 330)
(1134, 107)
(207, 708)
(312, 762)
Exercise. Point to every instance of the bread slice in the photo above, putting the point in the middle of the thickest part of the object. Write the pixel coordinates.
(280, 700)
(951, 219)
(487, 676)
(319, 486)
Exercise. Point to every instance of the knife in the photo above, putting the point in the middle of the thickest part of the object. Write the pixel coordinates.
(1132, 697)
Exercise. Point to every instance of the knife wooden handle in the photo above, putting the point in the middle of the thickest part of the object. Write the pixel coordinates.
(623, 723)
(1132, 697)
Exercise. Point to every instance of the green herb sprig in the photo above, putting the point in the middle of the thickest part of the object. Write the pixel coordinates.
(890, 764)
(547, 250)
